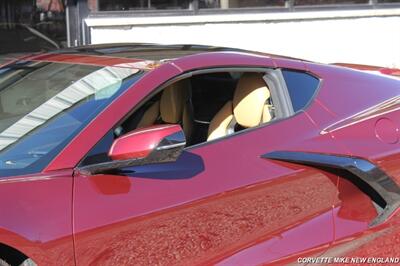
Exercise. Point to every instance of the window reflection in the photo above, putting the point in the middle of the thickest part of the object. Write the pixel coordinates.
(127, 5)
(42, 105)
(251, 3)
(329, 2)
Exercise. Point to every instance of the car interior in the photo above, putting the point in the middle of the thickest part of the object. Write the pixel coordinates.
(207, 106)
(214, 103)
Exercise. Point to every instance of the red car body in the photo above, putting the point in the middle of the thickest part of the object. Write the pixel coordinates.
(228, 202)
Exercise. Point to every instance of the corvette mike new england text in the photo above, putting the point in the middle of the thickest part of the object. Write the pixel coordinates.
(349, 260)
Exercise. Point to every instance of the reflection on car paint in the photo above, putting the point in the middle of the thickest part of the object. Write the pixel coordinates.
(209, 229)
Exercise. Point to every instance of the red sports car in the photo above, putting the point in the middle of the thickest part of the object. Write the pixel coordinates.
(193, 155)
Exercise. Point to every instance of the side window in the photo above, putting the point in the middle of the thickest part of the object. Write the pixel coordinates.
(207, 107)
(301, 87)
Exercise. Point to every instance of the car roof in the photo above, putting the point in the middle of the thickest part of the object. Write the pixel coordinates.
(133, 55)
(145, 51)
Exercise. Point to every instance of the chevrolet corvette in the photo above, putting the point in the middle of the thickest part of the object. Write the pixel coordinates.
(139, 154)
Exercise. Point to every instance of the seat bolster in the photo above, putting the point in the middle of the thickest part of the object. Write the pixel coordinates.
(219, 124)
(150, 116)
(172, 102)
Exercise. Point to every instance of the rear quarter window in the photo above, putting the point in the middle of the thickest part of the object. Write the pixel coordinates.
(301, 87)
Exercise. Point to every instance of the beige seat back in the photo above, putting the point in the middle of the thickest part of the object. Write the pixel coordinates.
(248, 108)
(150, 116)
(172, 108)
(172, 102)
(250, 99)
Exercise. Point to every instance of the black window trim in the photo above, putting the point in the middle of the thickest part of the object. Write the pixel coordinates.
(279, 93)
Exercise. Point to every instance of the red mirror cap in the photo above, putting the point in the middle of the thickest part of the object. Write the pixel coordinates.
(140, 142)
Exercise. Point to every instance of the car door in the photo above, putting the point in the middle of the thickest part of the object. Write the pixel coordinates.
(217, 199)
(222, 202)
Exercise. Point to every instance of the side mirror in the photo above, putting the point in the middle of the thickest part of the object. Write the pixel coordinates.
(155, 144)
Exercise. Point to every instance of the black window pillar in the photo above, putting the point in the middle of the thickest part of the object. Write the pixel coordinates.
(77, 31)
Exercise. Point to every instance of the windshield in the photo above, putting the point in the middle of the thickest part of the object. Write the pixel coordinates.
(44, 105)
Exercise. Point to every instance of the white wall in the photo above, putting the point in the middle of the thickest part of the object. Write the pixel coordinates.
(364, 37)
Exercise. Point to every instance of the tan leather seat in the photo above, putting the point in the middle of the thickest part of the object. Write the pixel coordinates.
(172, 108)
(150, 116)
(220, 123)
(249, 107)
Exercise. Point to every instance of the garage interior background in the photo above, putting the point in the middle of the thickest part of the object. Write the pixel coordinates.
(352, 31)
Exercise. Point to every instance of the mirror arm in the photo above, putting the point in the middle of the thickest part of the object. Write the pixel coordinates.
(100, 168)
(157, 156)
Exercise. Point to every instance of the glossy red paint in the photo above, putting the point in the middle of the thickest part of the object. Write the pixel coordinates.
(382, 70)
(378, 242)
(222, 59)
(275, 248)
(387, 131)
(36, 216)
(220, 202)
(347, 85)
(360, 135)
(140, 142)
(93, 60)
(248, 202)
(216, 227)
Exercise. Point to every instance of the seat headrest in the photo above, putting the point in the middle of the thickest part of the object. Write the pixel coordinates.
(173, 100)
(249, 99)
